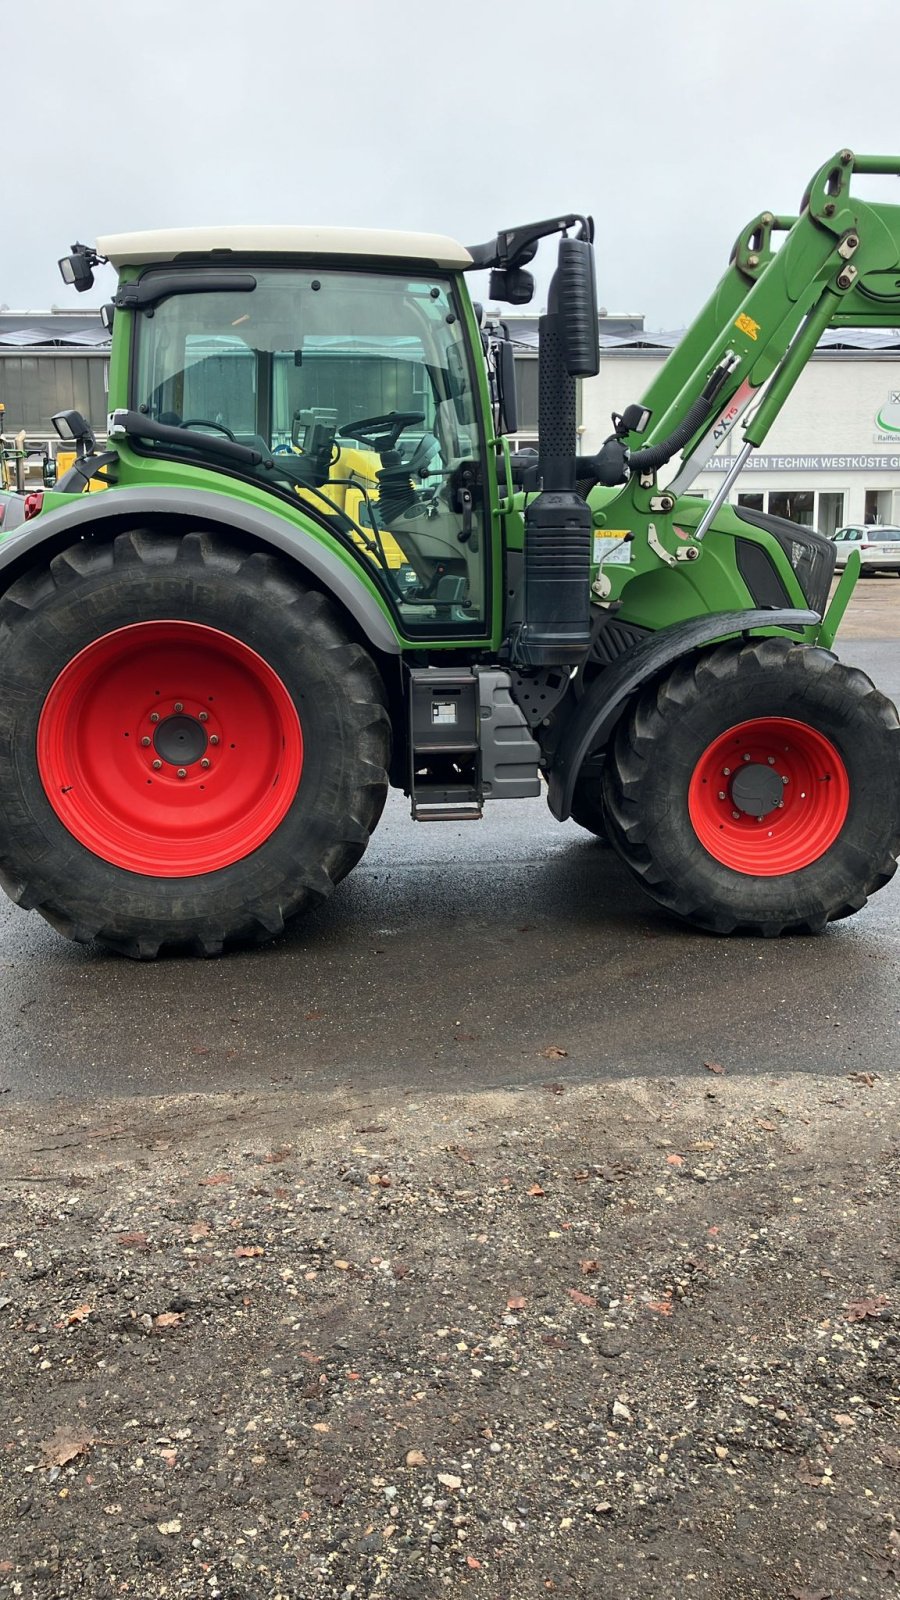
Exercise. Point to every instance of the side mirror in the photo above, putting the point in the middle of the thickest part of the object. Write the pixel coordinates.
(505, 368)
(579, 329)
(48, 472)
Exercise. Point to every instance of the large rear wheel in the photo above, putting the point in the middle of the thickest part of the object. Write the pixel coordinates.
(757, 788)
(192, 748)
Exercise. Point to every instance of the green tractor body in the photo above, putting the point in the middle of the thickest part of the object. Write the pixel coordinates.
(316, 571)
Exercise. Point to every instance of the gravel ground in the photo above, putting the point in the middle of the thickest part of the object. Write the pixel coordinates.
(616, 1342)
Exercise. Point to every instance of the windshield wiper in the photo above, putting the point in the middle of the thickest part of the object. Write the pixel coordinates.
(136, 425)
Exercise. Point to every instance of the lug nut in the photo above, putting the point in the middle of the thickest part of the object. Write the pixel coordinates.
(721, 794)
(746, 758)
(182, 772)
(203, 716)
(154, 716)
(726, 772)
(771, 760)
(205, 762)
(178, 706)
(214, 738)
(157, 765)
(146, 739)
(785, 780)
(736, 815)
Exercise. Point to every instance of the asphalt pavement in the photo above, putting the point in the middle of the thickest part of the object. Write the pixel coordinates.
(474, 956)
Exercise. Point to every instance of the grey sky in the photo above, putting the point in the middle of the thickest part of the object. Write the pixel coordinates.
(672, 123)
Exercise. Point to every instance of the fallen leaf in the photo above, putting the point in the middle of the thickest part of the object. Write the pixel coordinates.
(581, 1299)
(536, 1189)
(400, 1269)
(675, 1161)
(449, 1480)
(871, 1306)
(80, 1314)
(168, 1319)
(131, 1241)
(461, 1151)
(554, 1088)
(664, 1307)
(714, 1066)
(867, 1078)
(416, 1458)
(244, 1251)
(313, 1016)
(275, 1157)
(590, 1267)
(768, 1126)
(474, 1563)
(214, 1179)
(199, 1230)
(516, 1302)
(63, 1445)
(553, 1052)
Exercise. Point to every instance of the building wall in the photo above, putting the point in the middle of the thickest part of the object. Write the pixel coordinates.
(35, 385)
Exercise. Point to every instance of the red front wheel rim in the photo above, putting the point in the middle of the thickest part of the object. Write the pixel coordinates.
(170, 749)
(769, 796)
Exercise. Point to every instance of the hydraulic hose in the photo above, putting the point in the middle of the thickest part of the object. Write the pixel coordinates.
(654, 456)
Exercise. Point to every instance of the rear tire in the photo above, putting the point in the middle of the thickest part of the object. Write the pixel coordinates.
(680, 818)
(237, 806)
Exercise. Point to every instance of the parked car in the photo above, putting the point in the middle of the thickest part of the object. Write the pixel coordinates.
(878, 546)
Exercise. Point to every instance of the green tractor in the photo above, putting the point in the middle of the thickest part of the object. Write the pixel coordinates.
(318, 571)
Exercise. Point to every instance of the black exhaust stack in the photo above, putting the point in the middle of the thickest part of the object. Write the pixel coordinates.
(555, 630)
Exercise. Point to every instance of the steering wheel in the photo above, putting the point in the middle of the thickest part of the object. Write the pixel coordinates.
(381, 433)
(204, 422)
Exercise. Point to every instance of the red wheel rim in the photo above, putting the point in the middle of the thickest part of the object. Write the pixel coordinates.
(769, 796)
(170, 749)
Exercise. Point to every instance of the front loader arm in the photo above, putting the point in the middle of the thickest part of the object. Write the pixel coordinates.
(838, 266)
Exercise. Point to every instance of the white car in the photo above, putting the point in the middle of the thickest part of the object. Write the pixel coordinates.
(878, 546)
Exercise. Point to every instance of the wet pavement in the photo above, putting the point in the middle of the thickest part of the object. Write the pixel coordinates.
(454, 958)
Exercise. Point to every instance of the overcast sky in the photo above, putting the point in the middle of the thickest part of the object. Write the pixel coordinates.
(672, 123)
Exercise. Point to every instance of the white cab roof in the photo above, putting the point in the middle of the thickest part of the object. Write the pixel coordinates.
(166, 244)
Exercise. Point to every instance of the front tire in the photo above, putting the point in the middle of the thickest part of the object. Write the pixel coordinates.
(193, 750)
(757, 788)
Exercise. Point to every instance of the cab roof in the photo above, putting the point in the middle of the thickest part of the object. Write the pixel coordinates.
(169, 244)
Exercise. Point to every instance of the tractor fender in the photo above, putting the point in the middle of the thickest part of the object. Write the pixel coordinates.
(609, 696)
(53, 530)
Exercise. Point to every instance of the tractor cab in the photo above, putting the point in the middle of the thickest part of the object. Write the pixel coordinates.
(354, 391)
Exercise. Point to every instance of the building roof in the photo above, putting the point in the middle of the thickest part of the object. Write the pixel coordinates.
(26, 329)
(167, 244)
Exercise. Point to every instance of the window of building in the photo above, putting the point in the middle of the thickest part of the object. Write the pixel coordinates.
(829, 513)
(797, 505)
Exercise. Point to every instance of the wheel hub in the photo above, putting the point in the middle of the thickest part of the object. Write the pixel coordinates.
(757, 790)
(169, 748)
(180, 740)
(769, 796)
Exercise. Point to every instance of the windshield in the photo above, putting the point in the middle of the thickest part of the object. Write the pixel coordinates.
(356, 389)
